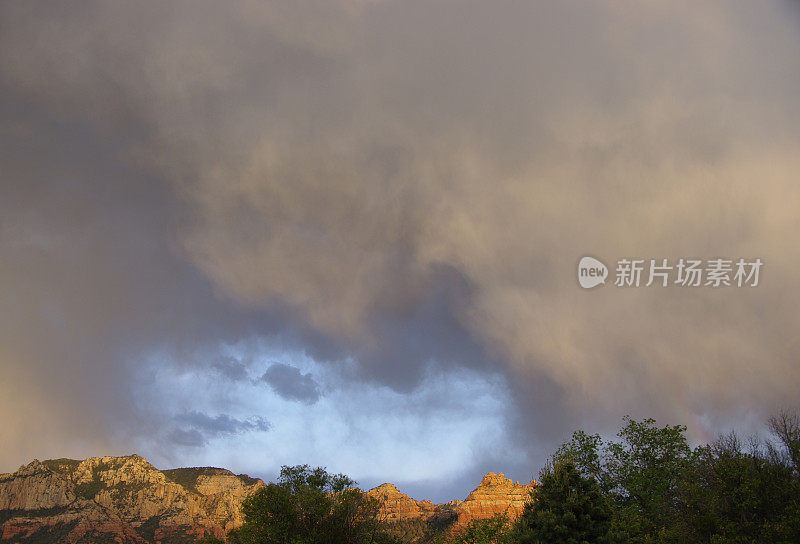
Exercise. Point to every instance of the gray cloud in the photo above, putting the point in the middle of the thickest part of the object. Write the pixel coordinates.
(223, 423)
(230, 368)
(197, 427)
(396, 184)
(191, 438)
(288, 382)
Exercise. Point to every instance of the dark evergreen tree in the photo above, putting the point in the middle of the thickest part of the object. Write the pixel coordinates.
(566, 508)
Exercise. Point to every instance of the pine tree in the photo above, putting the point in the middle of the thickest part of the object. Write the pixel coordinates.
(567, 508)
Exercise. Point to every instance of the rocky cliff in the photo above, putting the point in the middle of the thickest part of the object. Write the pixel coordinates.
(127, 500)
(118, 499)
(496, 494)
(397, 506)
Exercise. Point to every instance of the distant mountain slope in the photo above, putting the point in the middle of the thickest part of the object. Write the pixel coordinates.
(127, 500)
(118, 499)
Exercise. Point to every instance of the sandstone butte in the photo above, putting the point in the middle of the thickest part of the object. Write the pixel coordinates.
(127, 500)
(496, 494)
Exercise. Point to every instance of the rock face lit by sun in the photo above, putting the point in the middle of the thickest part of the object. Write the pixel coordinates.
(127, 499)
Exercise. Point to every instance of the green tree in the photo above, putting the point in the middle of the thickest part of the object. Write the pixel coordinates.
(310, 506)
(584, 450)
(566, 508)
(718, 498)
(641, 473)
(494, 530)
(734, 494)
(662, 491)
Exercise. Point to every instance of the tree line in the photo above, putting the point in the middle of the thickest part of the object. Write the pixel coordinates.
(646, 486)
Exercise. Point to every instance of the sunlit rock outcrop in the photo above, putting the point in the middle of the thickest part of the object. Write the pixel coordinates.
(121, 499)
(128, 500)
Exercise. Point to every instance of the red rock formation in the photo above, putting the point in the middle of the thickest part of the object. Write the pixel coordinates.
(119, 499)
(496, 494)
(397, 506)
(127, 500)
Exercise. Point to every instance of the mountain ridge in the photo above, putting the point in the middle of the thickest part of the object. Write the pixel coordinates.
(128, 500)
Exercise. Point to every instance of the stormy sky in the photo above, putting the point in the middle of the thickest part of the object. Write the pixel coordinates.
(345, 232)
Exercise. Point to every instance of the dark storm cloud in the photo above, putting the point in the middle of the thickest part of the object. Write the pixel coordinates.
(397, 184)
(288, 382)
(196, 428)
(222, 424)
(230, 368)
